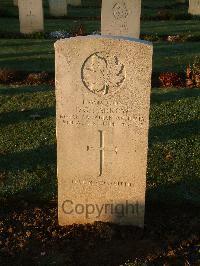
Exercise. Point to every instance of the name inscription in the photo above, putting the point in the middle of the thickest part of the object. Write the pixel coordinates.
(101, 113)
(102, 182)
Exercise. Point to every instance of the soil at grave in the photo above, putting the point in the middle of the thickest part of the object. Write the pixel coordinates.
(30, 235)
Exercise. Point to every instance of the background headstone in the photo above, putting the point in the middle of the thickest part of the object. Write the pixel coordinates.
(121, 18)
(75, 2)
(58, 8)
(103, 98)
(194, 7)
(15, 2)
(31, 16)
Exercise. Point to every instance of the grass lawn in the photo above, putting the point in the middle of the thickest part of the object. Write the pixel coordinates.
(28, 151)
(28, 55)
(38, 55)
(183, 27)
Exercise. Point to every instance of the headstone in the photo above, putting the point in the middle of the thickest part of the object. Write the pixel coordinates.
(15, 2)
(75, 2)
(31, 16)
(121, 18)
(103, 97)
(194, 7)
(58, 8)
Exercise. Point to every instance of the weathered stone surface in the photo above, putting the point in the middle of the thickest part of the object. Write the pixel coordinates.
(58, 8)
(31, 16)
(194, 7)
(121, 18)
(103, 98)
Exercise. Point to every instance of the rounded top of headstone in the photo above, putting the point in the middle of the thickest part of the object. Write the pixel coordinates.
(103, 37)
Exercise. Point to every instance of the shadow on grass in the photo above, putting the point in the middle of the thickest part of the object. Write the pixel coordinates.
(25, 89)
(175, 195)
(9, 56)
(174, 131)
(26, 116)
(173, 95)
(30, 64)
(29, 159)
(24, 43)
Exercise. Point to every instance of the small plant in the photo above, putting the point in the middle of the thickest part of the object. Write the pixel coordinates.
(59, 34)
(98, 32)
(171, 79)
(173, 38)
(193, 74)
(37, 78)
(192, 38)
(79, 31)
(52, 82)
(8, 76)
(163, 14)
(151, 38)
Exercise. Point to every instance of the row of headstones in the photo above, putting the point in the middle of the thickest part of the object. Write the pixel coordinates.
(116, 18)
(53, 3)
(31, 12)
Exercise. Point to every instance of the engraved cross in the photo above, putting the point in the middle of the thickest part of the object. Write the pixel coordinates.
(31, 16)
(102, 151)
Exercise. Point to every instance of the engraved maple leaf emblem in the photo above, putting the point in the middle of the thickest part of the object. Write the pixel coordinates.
(103, 74)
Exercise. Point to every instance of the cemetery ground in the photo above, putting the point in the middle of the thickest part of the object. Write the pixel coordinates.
(28, 223)
(29, 232)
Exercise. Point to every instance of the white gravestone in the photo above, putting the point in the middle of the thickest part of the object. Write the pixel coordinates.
(31, 16)
(58, 8)
(75, 2)
(103, 99)
(194, 7)
(121, 18)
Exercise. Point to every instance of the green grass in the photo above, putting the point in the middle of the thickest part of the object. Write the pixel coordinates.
(28, 151)
(38, 55)
(183, 27)
(174, 56)
(151, 8)
(174, 154)
(12, 25)
(68, 25)
(27, 55)
(28, 147)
